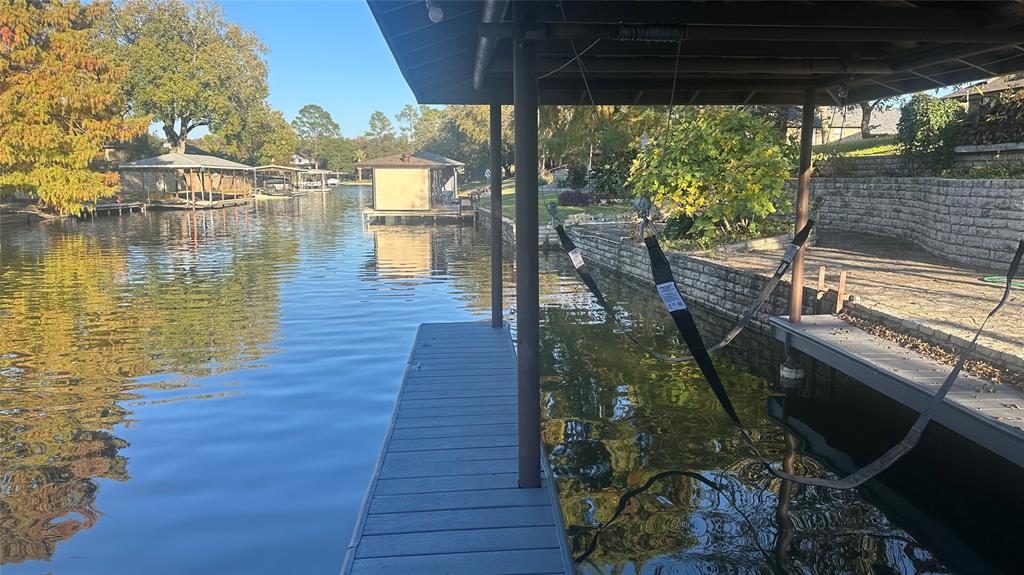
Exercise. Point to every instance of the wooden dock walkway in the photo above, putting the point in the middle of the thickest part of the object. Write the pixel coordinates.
(444, 497)
(990, 416)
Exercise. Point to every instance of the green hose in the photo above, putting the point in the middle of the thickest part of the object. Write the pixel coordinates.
(1002, 280)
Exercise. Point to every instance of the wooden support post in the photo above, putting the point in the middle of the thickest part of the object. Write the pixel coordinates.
(524, 57)
(821, 282)
(496, 219)
(802, 204)
(841, 296)
(791, 372)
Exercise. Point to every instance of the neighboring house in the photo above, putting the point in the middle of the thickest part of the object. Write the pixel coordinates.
(301, 162)
(982, 92)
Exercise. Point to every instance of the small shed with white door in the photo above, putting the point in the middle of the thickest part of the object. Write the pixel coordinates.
(420, 182)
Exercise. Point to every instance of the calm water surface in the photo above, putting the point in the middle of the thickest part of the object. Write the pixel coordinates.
(207, 393)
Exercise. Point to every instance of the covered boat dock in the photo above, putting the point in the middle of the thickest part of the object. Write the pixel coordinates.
(615, 53)
(187, 181)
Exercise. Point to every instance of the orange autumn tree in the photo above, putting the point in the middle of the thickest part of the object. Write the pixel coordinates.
(59, 103)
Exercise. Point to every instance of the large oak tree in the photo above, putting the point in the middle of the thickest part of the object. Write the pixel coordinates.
(189, 67)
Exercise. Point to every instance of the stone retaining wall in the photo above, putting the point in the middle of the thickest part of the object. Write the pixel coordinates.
(730, 291)
(970, 156)
(547, 236)
(861, 167)
(896, 166)
(976, 223)
(508, 227)
(723, 289)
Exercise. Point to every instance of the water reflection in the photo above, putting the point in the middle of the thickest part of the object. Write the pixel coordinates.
(615, 418)
(95, 325)
(292, 320)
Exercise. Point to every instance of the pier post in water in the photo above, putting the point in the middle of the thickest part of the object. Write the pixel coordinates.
(790, 370)
(496, 216)
(524, 81)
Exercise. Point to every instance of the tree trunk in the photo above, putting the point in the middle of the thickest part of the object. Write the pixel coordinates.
(174, 140)
(865, 118)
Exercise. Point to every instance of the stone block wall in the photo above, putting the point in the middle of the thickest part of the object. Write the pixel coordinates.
(971, 156)
(897, 166)
(547, 236)
(703, 282)
(861, 167)
(508, 227)
(976, 223)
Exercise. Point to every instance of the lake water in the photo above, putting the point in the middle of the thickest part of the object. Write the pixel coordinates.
(207, 393)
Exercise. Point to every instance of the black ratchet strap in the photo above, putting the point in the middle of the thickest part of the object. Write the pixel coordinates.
(784, 264)
(581, 267)
(669, 293)
(665, 283)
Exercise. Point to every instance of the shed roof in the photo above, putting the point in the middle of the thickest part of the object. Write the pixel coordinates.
(177, 161)
(417, 160)
(277, 168)
(728, 52)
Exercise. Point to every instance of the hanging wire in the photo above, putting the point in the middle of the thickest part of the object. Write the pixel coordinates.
(675, 76)
(571, 60)
(576, 56)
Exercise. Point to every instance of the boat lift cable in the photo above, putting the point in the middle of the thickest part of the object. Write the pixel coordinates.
(576, 256)
(676, 306)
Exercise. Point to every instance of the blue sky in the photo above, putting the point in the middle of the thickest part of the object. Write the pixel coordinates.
(329, 53)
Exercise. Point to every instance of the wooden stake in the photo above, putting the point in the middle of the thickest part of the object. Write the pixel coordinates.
(841, 296)
(821, 282)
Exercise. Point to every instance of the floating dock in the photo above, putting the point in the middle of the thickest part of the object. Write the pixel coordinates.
(991, 416)
(444, 497)
(201, 204)
(107, 209)
(453, 214)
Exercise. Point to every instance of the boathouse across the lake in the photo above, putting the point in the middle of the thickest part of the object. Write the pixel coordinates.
(187, 181)
(420, 185)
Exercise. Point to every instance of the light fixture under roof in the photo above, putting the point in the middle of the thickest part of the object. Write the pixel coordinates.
(434, 12)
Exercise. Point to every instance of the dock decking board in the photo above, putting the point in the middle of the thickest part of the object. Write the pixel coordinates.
(971, 408)
(444, 496)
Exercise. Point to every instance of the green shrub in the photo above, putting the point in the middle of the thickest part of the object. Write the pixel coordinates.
(576, 176)
(833, 164)
(989, 171)
(722, 167)
(925, 134)
(544, 178)
(574, 198)
(996, 120)
(608, 178)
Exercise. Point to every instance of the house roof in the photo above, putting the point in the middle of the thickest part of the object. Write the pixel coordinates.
(416, 160)
(728, 52)
(176, 161)
(990, 86)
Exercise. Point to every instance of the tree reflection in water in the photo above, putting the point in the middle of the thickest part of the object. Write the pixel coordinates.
(615, 417)
(88, 310)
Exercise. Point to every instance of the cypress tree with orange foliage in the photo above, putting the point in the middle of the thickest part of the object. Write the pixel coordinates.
(60, 101)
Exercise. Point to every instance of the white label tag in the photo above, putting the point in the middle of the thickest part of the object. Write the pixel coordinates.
(670, 295)
(576, 257)
(791, 251)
